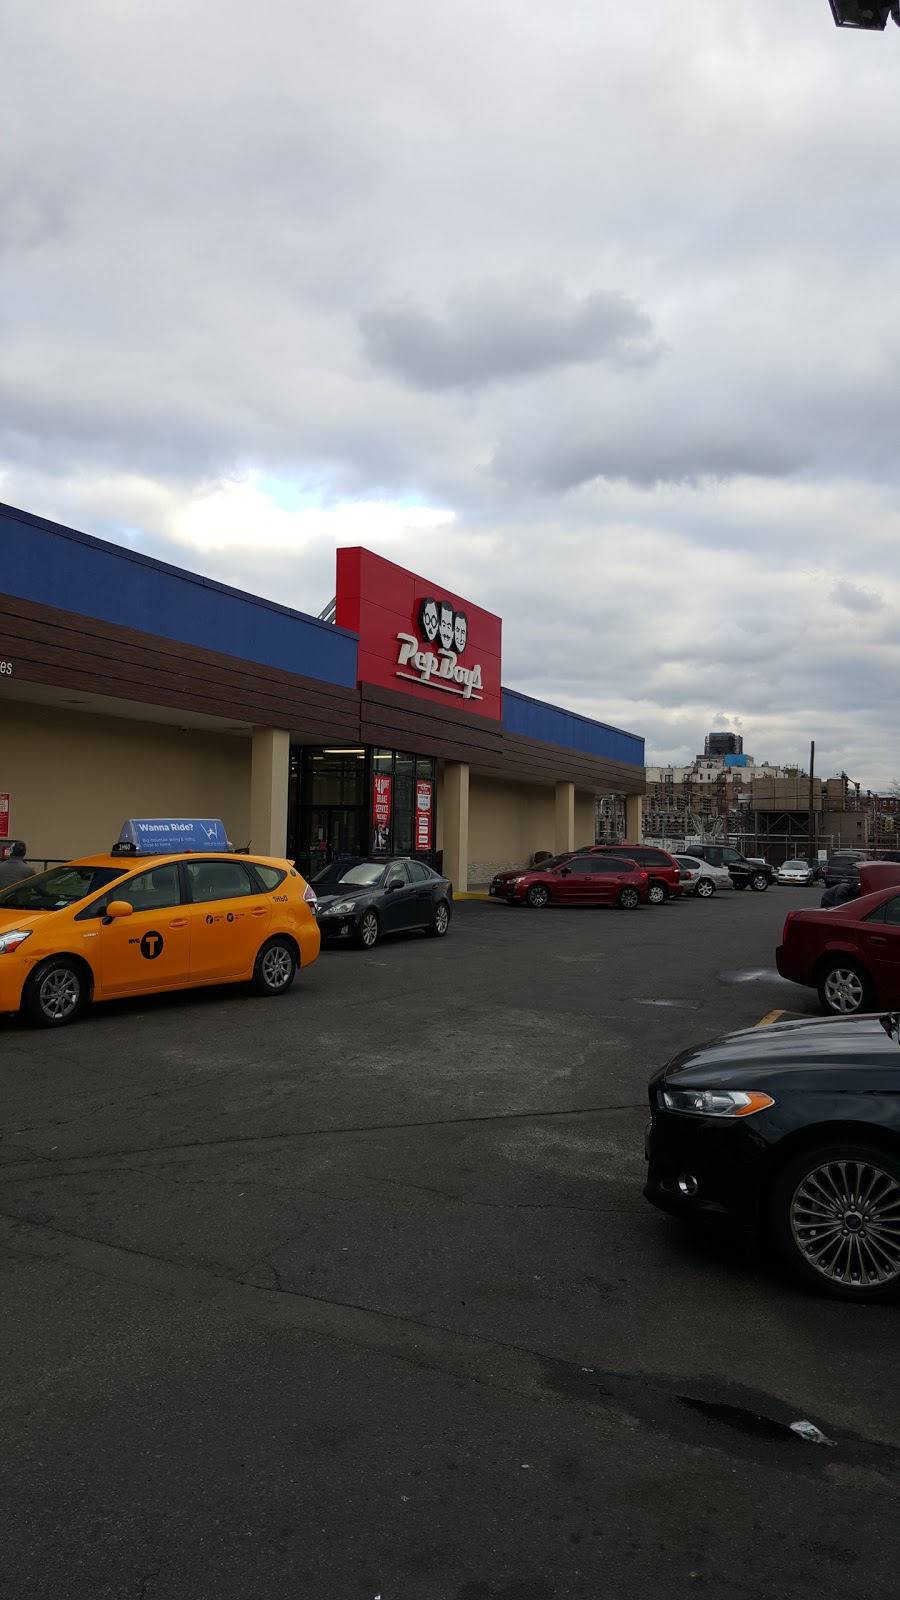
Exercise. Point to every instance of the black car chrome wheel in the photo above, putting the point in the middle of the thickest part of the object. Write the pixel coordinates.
(759, 882)
(440, 922)
(368, 931)
(835, 1215)
(537, 897)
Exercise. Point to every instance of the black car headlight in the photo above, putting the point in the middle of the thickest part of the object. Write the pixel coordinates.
(344, 908)
(716, 1102)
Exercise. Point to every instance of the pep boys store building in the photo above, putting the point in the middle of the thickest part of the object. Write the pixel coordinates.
(130, 687)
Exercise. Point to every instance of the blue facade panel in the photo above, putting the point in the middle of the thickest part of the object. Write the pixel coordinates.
(534, 719)
(735, 761)
(54, 566)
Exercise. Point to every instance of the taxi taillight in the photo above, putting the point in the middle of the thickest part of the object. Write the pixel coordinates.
(309, 895)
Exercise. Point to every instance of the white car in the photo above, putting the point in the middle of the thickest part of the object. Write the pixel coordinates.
(701, 878)
(797, 871)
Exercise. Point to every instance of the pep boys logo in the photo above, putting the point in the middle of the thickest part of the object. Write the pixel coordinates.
(441, 625)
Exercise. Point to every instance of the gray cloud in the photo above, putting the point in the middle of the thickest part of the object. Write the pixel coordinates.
(853, 598)
(493, 332)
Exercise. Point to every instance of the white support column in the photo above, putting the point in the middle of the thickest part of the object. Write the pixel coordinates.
(565, 818)
(634, 818)
(456, 824)
(269, 774)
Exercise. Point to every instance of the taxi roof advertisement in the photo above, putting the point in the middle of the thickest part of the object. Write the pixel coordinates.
(156, 836)
(418, 638)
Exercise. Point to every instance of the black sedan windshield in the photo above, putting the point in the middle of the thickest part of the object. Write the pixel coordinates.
(354, 874)
(58, 888)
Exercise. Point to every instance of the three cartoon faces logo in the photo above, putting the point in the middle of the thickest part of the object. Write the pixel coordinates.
(442, 625)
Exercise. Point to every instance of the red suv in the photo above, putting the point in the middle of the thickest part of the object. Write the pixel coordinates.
(579, 880)
(662, 869)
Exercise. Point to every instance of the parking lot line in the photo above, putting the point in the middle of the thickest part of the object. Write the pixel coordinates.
(770, 1016)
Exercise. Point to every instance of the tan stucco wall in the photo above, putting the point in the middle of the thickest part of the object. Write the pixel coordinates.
(74, 778)
(509, 821)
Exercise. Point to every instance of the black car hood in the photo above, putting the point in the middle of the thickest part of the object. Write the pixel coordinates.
(831, 1043)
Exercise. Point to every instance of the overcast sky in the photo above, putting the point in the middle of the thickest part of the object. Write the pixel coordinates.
(588, 310)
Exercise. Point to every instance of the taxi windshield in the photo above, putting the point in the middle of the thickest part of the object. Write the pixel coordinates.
(58, 888)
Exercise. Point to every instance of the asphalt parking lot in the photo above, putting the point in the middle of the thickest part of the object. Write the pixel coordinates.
(354, 1293)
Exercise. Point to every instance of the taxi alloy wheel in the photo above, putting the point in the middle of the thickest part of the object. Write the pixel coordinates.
(705, 888)
(369, 929)
(275, 967)
(54, 994)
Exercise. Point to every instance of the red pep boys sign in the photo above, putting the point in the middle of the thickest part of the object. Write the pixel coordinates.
(416, 637)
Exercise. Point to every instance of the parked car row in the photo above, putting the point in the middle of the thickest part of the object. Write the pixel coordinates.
(632, 875)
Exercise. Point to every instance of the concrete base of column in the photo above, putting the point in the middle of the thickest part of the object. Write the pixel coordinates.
(269, 773)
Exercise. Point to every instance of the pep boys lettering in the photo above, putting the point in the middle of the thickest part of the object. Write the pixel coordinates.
(438, 620)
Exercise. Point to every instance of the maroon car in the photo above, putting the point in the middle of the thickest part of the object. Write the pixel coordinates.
(575, 880)
(851, 953)
(662, 869)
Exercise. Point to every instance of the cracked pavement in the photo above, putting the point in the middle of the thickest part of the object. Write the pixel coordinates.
(355, 1293)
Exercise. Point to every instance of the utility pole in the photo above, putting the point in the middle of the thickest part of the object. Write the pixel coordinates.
(812, 769)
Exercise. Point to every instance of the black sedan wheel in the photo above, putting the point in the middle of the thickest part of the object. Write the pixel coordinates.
(440, 922)
(835, 1219)
(368, 931)
(628, 899)
(54, 993)
(659, 894)
(537, 897)
(705, 888)
(844, 988)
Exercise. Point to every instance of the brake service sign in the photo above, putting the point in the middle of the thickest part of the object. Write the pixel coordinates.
(417, 637)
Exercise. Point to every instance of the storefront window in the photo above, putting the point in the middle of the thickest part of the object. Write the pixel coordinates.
(345, 803)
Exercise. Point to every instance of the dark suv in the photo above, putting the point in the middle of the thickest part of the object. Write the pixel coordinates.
(758, 874)
(844, 864)
(664, 871)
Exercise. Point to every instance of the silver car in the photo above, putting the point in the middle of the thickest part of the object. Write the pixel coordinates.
(797, 872)
(701, 878)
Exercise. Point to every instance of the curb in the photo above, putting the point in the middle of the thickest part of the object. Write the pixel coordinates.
(475, 895)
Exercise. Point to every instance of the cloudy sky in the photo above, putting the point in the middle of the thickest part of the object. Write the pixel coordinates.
(588, 310)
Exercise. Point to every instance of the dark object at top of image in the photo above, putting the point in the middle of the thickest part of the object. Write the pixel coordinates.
(860, 14)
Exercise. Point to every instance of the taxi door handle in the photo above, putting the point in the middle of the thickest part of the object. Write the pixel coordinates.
(180, 922)
(260, 911)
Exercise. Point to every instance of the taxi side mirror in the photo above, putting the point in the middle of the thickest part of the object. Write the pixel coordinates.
(118, 908)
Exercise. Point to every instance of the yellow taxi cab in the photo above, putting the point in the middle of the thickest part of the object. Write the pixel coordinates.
(171, 907)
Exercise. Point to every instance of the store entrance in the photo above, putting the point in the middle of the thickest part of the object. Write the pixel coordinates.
(332, 833)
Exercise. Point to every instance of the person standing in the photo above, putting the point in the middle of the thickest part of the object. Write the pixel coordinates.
(15, 867)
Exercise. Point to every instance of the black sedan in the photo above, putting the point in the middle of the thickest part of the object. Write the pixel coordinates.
(795, 1129)
(362, 899)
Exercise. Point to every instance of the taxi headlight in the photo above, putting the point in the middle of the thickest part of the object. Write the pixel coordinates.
(10, 941)
(716, 1102)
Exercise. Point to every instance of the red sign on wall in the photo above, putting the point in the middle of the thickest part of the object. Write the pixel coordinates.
(381, 811)
(423, 815)
(4, 816)
(417, 637)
